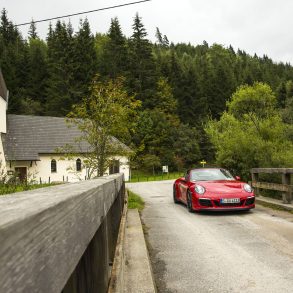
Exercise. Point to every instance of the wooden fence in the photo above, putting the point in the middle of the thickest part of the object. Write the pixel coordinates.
(286, 187)
(61, 238)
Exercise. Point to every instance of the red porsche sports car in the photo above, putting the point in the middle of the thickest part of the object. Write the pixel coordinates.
(213, 189)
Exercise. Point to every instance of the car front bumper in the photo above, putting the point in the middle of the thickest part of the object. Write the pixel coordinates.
(246, 203)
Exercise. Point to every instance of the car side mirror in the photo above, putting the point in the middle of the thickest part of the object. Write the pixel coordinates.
(237, 178)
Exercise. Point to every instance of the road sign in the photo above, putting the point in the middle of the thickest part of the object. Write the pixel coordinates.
(203, 162)
(165, 169)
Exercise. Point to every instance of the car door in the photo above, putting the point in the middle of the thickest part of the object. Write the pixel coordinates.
(183, 186)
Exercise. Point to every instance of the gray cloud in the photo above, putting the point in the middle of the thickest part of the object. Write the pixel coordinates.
(256, 26)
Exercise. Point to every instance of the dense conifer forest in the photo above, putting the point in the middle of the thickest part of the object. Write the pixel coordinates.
(181, 86)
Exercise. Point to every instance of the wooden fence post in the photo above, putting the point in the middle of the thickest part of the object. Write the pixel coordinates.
(286, 195)
(254, 177)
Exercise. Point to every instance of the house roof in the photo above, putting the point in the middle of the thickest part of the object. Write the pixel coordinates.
(29, 136)
(3, 88)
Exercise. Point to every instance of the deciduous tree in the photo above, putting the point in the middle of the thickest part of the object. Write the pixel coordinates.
(106, 114)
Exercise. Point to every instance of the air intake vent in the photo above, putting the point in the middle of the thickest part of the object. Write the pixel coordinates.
(205, 202)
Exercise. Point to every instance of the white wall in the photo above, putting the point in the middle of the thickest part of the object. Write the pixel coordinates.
(66, 169)
(3, 106)
(2, 158)
(124, 167)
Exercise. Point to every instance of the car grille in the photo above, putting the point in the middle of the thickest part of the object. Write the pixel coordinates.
(205, 202)
(249, 201)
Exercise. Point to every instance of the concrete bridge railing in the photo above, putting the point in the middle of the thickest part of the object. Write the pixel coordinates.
(62, 238)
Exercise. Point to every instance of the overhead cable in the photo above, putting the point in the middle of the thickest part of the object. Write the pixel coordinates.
(85, 12)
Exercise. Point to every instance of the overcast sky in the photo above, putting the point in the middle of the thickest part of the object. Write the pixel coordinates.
(256, 26)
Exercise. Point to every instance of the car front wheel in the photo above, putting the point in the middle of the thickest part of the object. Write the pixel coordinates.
(175, 195)
(189, 202)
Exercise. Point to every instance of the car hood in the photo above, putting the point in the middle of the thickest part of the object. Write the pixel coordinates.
(222, 186)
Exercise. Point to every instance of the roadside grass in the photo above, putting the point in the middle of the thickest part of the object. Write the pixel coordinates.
(143, 177)
(274, 207)
(11, 188)
(135, 201)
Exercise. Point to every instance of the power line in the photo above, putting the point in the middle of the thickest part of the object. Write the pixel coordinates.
(85, 12)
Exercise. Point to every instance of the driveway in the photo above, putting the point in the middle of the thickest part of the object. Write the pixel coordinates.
(215, 252)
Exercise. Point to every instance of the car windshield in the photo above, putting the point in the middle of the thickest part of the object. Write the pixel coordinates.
(210, 175)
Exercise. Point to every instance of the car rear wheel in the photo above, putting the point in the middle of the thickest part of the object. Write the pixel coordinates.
(189, 202)
(175, 195)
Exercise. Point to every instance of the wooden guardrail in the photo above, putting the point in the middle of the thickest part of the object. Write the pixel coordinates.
(61, 238)
(285, 187)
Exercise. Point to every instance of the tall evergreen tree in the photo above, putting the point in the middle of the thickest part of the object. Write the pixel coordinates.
(60, 82)
(13, 54)
(115, 56)
(159, 36)
(37, 73)
(85, 61)
(33, 31)
(142, 77)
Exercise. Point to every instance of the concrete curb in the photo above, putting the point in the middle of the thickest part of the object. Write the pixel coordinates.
(274, 203)
(138, 270)
(132, 271)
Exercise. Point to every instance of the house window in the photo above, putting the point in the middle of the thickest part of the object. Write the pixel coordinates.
(78, 165)
(114, 167)
(53, 166)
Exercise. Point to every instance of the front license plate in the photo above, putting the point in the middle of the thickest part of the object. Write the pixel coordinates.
(230, 200)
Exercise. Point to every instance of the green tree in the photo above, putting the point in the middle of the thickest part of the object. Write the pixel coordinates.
(248, 136)
(115, 58)
(142, 76)
(36, 76)
(255, 103)
(150, 162)
(60, 90)
(33, 31)
(163, 99)
(13, 61)
(108, 112)
(84, 61)
(159, 36)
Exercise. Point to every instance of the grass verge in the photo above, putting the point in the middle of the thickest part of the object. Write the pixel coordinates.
(6, 189)
(273, 207)
(141, 177)
(135, 201)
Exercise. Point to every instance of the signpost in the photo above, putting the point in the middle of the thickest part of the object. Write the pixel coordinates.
(165, 169)
(203, 162)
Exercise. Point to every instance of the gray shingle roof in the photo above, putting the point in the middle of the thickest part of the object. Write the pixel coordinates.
(29, 136)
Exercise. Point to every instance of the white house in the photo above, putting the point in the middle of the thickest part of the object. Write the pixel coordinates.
(29, 144)
(3, 108)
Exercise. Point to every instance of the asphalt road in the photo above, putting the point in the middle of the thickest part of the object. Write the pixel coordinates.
(215, 252)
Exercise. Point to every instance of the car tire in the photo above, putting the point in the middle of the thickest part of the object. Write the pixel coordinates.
(175, 195)
(189, 202)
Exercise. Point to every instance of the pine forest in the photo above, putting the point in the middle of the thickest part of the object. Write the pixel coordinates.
(198, 102)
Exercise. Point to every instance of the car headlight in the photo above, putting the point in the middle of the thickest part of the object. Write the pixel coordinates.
(247, 188)
(199, 189)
